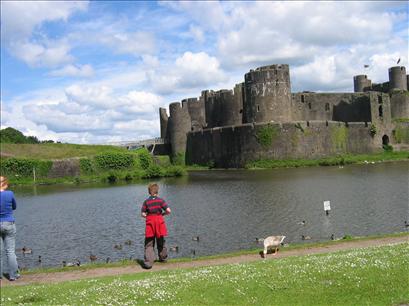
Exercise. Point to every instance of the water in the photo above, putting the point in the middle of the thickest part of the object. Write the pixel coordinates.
(226, 209)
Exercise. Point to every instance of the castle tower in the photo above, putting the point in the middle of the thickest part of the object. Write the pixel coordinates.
(397, 78)
(361, 82)
(163, 116)
(196, 113)
(267, 94)
(178, 125)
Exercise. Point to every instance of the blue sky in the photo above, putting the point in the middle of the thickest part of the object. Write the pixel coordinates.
(97, 72)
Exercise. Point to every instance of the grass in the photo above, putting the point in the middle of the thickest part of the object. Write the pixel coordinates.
(56, 150)
(329, 161)
(370, 276)
(291, 247)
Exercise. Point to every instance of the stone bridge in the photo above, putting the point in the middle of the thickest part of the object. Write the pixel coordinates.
(156, 146)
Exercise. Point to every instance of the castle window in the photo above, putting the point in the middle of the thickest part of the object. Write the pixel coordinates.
(380, 111)
(302, 98)
(241, 111)
(258, 108)
(327, 106)
(309, 105)
(380, 99)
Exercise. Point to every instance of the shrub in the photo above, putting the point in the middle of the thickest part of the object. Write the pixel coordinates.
(86, 166)
(175, 171)
(145, 159)
(24, 167)
(387, 148)
(179, 159)
(114, 161)
(373, 130)
(153, 171)
(266, 134)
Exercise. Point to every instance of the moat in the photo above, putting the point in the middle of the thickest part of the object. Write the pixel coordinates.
(226, 209)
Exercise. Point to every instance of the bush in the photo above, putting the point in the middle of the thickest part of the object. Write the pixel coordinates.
(114, 161)
(86, 166)
(179, 159)
(153, 171)
(175, 171)
(24, 167)
(387, 148)
(266, 134)
(145, 159)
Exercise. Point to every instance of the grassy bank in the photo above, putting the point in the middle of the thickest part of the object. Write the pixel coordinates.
(296, 246)
(370, 276)
(330, 161)
(56, 150)
(65, 163)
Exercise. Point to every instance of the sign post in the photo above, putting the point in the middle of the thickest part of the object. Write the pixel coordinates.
(327, 207)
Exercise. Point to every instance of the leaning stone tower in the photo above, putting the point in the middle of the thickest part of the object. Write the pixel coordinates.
(267, 94)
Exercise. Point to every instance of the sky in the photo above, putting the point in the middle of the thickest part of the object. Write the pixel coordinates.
(97, 72)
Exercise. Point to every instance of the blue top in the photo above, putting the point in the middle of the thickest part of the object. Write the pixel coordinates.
(7, 205)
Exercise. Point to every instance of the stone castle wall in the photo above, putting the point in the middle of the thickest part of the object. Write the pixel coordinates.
(234, 146)
(199, 126)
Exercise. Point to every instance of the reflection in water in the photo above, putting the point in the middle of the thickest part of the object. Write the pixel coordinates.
(226, 209)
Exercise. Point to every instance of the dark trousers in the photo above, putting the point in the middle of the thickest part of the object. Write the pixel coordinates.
(150, 250)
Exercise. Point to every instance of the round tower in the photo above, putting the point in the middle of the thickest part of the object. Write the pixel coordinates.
(267, 94)
(361, 82)
(163, 116)
(178, 125)
(397, 78)
(196, 113)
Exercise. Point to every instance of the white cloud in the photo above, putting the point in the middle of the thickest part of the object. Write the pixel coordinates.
(74, 71)
(189, 71)
(135, 43)
(20, 20)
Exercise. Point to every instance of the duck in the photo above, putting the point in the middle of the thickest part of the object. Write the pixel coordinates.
(301, 223)
(76, 263)
(118, 246)
(174, 248)
(128, 242)
(26, 250)
(196, 238)
(259, 240)
(92, 257)
(305, 237)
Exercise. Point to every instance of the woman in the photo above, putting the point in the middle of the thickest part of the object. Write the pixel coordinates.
(8, 227)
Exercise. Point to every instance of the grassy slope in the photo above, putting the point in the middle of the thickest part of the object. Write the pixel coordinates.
(56, 151)
(371, 276)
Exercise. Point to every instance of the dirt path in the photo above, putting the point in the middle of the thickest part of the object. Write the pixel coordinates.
(56, 277)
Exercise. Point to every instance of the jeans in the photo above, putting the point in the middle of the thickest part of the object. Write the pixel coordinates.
(8, 236)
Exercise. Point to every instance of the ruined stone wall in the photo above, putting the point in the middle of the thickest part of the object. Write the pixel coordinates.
(178, 125)
(345, 107)
(400, 105)
(163, 117)
(234, 146)
(64, 168)
(361, 83)
(267, 94)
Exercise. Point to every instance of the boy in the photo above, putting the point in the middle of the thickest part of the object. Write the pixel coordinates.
(153, 210)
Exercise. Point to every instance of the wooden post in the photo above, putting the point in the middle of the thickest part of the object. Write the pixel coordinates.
(34, 174)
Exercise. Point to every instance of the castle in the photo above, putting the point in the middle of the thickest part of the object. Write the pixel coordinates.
(262, 119)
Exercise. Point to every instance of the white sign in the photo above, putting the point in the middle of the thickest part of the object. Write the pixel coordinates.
(327, 205)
